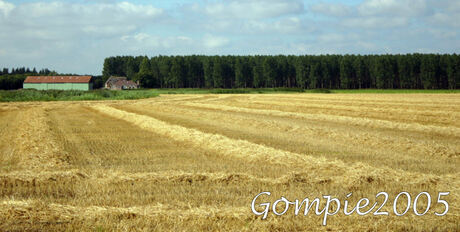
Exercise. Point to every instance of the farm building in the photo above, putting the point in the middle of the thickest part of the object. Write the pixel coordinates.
(58, 82)
(120, 83)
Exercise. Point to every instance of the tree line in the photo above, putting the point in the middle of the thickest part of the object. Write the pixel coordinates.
(14, 79)
(410, 71)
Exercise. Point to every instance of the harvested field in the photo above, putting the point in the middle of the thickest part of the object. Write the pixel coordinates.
(195, 162)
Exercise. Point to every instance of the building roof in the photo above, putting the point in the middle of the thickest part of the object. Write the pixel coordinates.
(120, 82)
(125, 82)
(112, 80)
(58, 79)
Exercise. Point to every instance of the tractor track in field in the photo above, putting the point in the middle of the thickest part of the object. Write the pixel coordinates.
(310, 132)
(366, 122)
(34, 144)
(353, 176)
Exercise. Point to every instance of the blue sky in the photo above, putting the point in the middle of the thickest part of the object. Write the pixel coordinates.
(76, 36)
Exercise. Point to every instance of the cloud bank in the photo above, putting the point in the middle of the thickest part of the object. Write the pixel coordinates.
(75, 36)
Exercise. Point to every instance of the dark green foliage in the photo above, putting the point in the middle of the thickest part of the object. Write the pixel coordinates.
(227, 91)
(302, 71)
(178, 72)
(321, 91)
(270, 71)
(347, 73)
(453, 71)
(218, 73)
(195, 72)
(239, 73)
(411, 71)
(428, 72)
(287, 89)
(406, 80)
(145, 73)
(361, 72)
(208, 68)
(315, 74)
(12, 81)
(258, 74)
(15, 78)
(97, 82)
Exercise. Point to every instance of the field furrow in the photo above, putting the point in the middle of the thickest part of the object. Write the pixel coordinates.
(215, 142)
(412, 101)
(366, 122)
(8, 126)
(317, 139)
(349, 176)
(34, 146)
(114, 144)
(436, 118)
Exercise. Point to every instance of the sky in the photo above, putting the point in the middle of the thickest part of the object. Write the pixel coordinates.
(75, 36)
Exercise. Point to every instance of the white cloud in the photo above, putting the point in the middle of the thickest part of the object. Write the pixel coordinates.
(375, 22)
(332, 9)
(136, 9)
(443, 33)
(6, 8)
(184, 38)
(443, 19)
(374, 14)
(140, 37)
(61, 33)
(76, 37)
(211, 41)
(446, 14)
(287, 25)
(332, 38)
(392, 7)
(71, 19)
(253, 9)
(143, 42)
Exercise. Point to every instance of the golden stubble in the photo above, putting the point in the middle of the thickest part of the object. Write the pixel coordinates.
(194, 162)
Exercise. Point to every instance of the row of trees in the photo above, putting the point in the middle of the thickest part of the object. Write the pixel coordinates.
(24, 70)
(13, 79)
(411, 71)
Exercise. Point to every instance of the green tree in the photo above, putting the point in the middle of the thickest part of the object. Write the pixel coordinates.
(346, 72)
(315, 74)
(270, 71)
(218, 72)
(302, 71)
(145, 75)
(208, 69)
(404, 70)
(428, 72)
(453, 71)
(178, 72)
(240, 81)
(258, 73)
